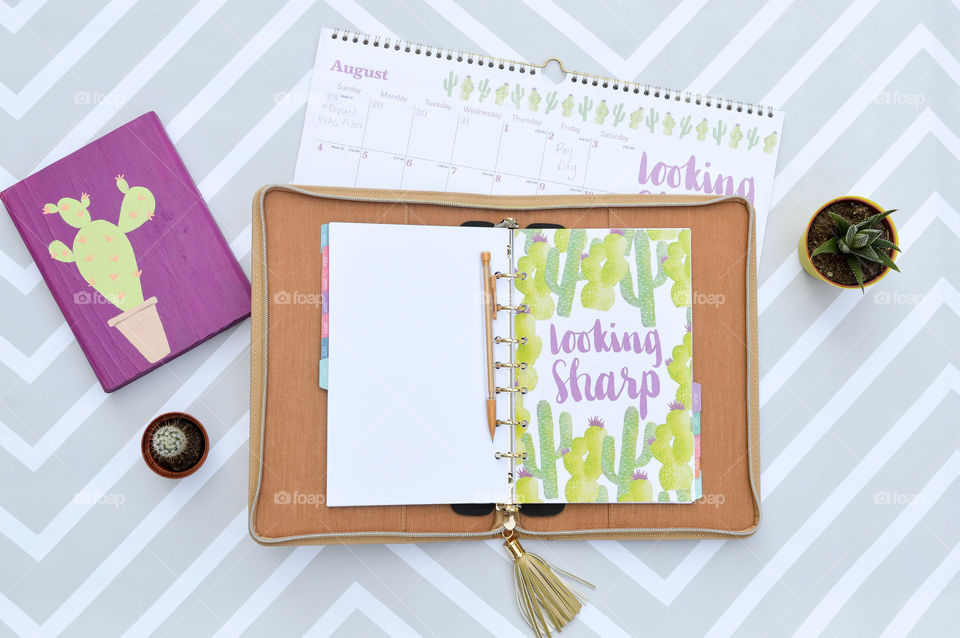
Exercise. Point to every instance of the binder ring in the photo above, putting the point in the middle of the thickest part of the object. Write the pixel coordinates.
(513, 388)
(511, 455)
(521, 308)
(519, 366)
(522, 422)
(521, 340)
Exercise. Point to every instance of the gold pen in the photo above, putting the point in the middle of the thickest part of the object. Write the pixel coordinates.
(489, 312)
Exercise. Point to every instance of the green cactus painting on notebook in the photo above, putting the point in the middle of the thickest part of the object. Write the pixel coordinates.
(568, 105)
(753, 138)
(103, 254)
(101, 251)
(685, 126)
(636, 118)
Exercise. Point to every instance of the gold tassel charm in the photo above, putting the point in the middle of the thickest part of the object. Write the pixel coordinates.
(545, 601)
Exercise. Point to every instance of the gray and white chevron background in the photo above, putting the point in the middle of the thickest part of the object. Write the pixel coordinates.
(860, 394)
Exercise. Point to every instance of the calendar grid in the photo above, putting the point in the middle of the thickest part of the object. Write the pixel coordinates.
(403, 170)
(447, 165)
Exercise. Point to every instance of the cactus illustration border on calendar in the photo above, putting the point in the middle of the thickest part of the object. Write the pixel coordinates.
(567, 272)
(586, 108)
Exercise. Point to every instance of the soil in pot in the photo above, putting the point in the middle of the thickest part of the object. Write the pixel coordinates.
(176, 443)
(834, 266)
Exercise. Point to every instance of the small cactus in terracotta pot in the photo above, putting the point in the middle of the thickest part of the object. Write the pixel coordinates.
(174, 445)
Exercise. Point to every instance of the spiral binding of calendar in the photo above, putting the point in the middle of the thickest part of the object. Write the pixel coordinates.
(625, 86)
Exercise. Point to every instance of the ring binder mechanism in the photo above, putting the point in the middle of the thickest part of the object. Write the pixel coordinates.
(574, 77)
(520, 308)
(512, 388)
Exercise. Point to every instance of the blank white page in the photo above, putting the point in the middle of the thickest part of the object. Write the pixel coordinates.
(405, 412)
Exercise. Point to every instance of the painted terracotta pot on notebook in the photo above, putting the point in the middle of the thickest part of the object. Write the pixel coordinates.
(831, 268)
(174, 445)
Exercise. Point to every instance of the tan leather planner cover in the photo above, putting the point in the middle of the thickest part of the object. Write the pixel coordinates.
(287, 407)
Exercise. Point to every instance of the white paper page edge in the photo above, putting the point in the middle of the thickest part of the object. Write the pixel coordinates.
(405, 414)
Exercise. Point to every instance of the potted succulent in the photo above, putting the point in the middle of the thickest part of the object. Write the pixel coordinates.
(174, 445)
(850, 242)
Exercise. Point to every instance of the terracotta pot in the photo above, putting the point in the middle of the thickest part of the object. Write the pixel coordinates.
(142, 327)
(147, 453)
(804, 254)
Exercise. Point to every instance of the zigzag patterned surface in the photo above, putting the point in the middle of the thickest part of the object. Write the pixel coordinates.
(859, 394)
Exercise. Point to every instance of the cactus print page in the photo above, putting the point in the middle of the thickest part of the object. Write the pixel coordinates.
(383, 115)
(406, 422)
(610, 398)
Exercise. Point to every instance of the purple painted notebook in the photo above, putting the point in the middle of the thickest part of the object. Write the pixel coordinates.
(130, 251)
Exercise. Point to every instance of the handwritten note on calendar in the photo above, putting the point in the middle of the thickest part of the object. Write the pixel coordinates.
(388, 114)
